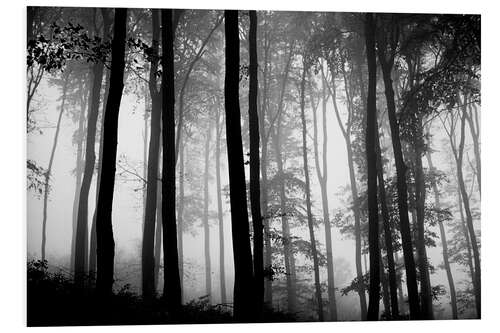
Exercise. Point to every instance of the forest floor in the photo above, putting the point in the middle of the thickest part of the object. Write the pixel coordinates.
(53, 300)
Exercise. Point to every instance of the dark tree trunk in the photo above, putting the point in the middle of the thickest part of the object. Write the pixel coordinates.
(104, 227)
(258, 238)
(394, 310)
(444, 244)
(206, 226)
(243, 279)
(48, 172)
(402, 187)
(220, 217)
(148, 236)
(371, 161)
(158, 231)
(172, 283)
(473, 120)
(81, 240)
(310, 225)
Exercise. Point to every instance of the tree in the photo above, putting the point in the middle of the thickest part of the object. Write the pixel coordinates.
(104, 227)
(81, 239)
(371, 159)
(148, 237)
(48, 172)
(243, 272)
(386, 63)
(206, 226)
(310, 225)
(258, 238)
(172, 284)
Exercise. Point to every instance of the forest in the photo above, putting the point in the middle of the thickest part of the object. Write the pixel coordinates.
(239, 166)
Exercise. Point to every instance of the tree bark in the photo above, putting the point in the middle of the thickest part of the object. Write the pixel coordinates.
(172, 284)
(243, 280)
(104, 227)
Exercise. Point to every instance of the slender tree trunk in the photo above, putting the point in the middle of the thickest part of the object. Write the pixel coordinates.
(467, 240)
(104, 227)
(346, 132)
(423, 264)
(172, 284)
(371, 161)
(402, 189)
(243, 290)
(48, 173)
(180, 215)
(317, 284)
(387, 232)
(322, 179)
(474, 131)
(258, 239)
(444, 244)
(78, 174)
(158, 231)
(148, 236)
(220, 214)
(206, 226)
(468, 213)
(81, 239)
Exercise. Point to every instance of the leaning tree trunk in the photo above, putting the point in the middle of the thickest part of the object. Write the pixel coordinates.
(206, 226)
(104, 226)
(48, 173)
(473, 120)
(243, 275)
(444, 244)
(310, 224)
(220, 217)
(402, 190)
(253, 118)
(148, 236)
(371, 161)
(81, 239)
(172, 283)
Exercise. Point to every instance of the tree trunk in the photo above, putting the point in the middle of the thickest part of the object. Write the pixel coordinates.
(474, 131)
(104, 227)
(206, 226)
(243, 275)
(468, 213)
(322, 180)
(78, 173)
(451, 284)
(158, 232)
(148, 236)
(394, 311)
(172, 284)
(371, 161)
(220, 217)
(81, 240)
(402, 189)
(48, 173)
(310, 225)
(258, 239)
(180, 215)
